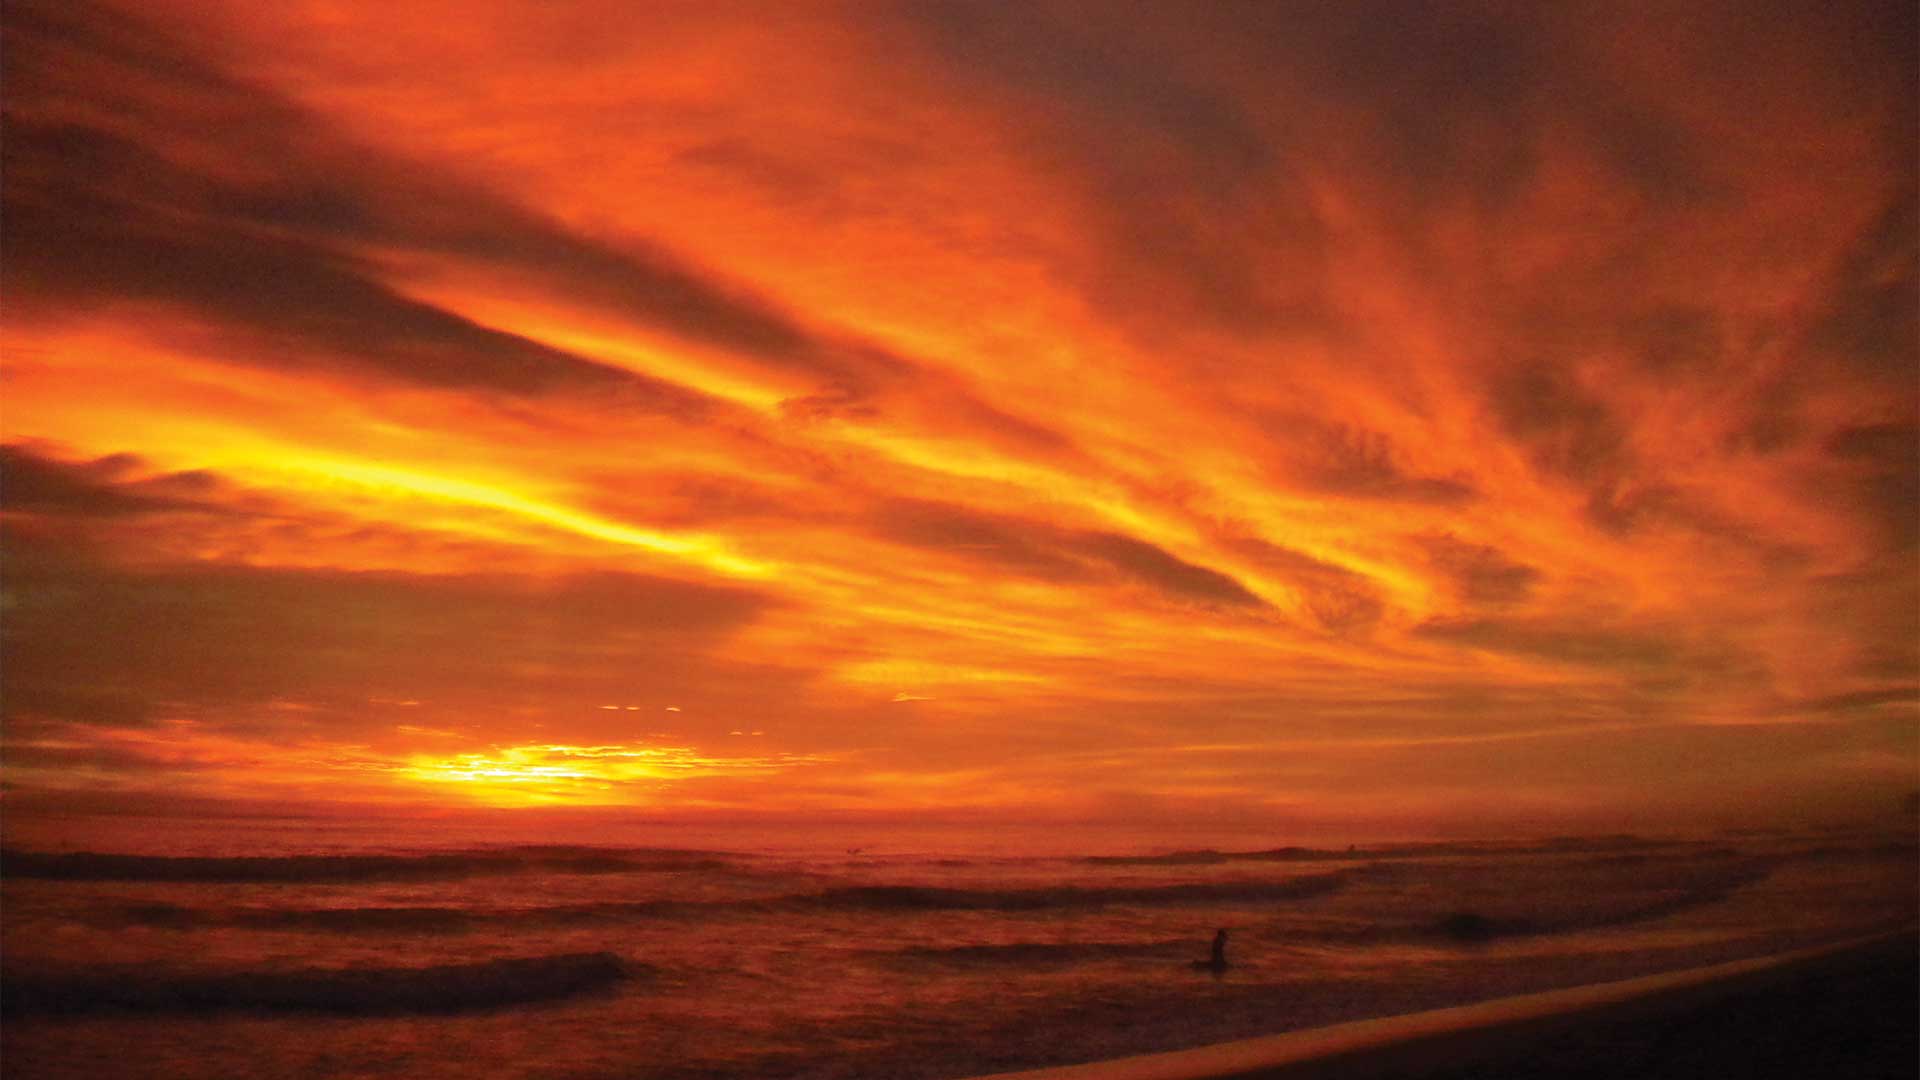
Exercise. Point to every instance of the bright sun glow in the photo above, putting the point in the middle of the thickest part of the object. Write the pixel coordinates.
(546, 773)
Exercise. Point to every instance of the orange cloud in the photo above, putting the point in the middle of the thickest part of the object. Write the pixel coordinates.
(1401, 398)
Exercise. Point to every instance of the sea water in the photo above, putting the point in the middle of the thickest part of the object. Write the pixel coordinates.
(297, 949)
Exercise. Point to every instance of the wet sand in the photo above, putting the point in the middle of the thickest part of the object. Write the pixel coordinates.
(1849, 1011)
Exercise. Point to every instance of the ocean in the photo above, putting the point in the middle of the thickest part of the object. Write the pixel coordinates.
(302, 950)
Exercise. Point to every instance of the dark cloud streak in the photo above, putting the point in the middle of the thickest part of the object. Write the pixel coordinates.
(1482, 575)
(199, 189)
(1053, 553)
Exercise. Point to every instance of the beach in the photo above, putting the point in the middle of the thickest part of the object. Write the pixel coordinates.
(1851, 1015)
(1850, 1010)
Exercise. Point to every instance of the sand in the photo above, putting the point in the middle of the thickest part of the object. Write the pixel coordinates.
(1837, 1012)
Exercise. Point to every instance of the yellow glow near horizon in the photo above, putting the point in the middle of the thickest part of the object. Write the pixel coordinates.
(558, 773)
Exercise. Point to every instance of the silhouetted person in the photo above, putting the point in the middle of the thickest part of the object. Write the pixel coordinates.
(1218, 962)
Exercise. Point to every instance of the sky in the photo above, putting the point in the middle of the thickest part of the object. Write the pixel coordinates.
(1300, 415)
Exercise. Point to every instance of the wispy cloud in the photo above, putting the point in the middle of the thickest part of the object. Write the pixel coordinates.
(1473, 382)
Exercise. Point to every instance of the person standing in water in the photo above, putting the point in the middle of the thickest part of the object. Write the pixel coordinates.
(1218, 962)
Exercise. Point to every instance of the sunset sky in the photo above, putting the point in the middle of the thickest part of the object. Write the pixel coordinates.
(1295, 413)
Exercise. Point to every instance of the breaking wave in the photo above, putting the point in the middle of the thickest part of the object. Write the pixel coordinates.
(449, 988)
(1029, 955)
(393, 919)
(1577, 897)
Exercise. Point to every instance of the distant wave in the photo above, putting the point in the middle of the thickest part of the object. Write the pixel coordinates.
(449, 988)
(1870, 850)
(1206, 858)
(353, 869)
(1657, 858)
(877, 898)
(1558, 845)
(920, 898)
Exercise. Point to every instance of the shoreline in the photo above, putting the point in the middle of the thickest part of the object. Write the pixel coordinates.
(1559, 1032)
